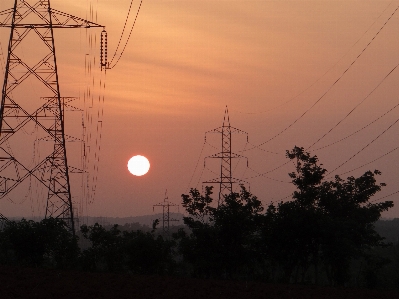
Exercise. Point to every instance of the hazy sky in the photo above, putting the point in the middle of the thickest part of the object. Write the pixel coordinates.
(270, 62)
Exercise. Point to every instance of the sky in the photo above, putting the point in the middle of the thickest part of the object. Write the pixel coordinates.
(292, 73)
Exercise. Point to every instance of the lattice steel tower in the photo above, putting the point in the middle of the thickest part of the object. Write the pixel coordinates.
(226, 179)
(166, 204)
(31, 102)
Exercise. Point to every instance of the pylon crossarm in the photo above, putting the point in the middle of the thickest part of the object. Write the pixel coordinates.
(78, 22)
(59, 19)
(230, 129)
(222, 155)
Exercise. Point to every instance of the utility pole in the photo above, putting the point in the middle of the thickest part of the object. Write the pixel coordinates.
(166, 204)
(31, 102)
(226, 179)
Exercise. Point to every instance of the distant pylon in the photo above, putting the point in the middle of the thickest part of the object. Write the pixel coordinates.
(166, 212)
(226, 179)
(31, 102)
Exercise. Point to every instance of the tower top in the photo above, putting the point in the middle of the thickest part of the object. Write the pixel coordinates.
(226, 118)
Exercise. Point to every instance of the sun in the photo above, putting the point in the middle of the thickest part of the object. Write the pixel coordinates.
(138, 165)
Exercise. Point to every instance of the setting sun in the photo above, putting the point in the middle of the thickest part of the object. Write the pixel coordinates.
(138, 165)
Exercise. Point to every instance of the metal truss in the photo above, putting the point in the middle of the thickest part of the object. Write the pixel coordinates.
(226, 179)
(31, 99)
(166, 204)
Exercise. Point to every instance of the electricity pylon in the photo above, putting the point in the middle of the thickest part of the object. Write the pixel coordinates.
(226, 179)
(166, 204)
(31, 102)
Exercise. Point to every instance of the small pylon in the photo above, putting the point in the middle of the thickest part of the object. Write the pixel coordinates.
(166, 204)
(226, 179)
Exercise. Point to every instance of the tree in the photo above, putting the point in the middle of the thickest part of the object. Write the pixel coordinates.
(328, 222)
(45, 243)
(148, 254)
(348, 221)
(135, 251)
(106, 248)
(222, 239)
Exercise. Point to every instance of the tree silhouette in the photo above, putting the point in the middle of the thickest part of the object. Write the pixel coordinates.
(45, 243)
(328, 222)
(221, 240)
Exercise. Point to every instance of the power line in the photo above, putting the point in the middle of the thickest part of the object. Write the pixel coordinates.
(128, 38)
(123, 31)
(378, 199)
(331, 86)
(196, 166)
(263, 175)
(353, 109)
(364, 127)
(386, 76)
(322, 76)
(367, 145)
(380, 157)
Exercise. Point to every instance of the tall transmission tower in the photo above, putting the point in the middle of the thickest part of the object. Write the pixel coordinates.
(31, 102)
(166, 204)
(226, 179)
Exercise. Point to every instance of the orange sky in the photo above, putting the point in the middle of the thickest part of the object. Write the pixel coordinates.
(187, 60)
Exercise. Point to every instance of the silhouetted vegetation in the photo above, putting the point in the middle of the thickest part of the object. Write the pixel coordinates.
(135, 251)
(325, 235)
(46, 243)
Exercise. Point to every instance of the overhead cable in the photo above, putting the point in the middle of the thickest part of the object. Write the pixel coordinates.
(322, 76)
(331, 86)
(112, 65)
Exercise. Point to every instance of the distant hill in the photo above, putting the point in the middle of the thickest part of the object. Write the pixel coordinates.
(387, 228)
(146, 220)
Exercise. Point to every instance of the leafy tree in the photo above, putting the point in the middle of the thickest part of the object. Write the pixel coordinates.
(199, 248)
(328, 222)
(221, 242)
(136, 251)
(106, 248)
(147, 254)
(44, 243)
(348, 218)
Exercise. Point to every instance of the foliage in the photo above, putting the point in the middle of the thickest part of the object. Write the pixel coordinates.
(44, 243)
(221, 239)
(147, 254)
(106, 248)
(328, 222)
(325, 234)
(135, 251)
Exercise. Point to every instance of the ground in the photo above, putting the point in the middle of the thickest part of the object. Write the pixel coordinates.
(42, 283)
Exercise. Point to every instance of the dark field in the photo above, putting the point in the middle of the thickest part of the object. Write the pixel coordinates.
(41, 283)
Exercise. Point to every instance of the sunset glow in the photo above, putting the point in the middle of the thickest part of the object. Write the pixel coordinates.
(317, 74)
